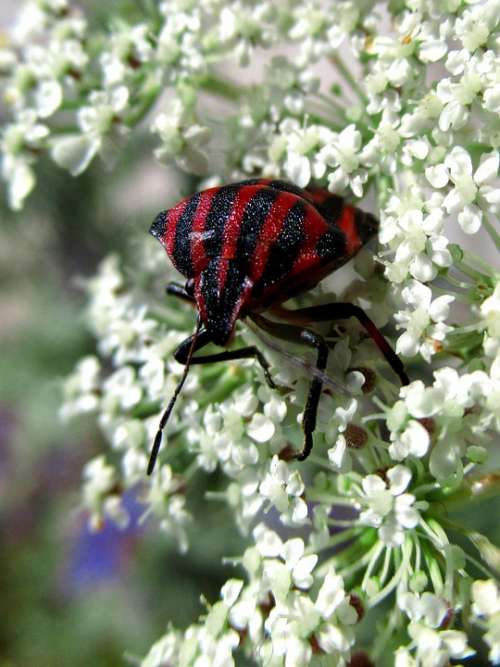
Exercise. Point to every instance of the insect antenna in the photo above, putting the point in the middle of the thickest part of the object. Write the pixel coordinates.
(166, 414)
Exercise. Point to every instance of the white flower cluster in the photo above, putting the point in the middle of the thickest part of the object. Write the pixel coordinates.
(433, 642)
(273, 609)
(486, 609)
(414, 123)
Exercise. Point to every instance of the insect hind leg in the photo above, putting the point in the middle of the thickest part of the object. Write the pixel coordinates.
(340, 311)
(311, 410)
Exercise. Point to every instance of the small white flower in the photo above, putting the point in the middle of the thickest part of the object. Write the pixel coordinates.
(427, 607)
(435, 648)
(388, 508)
(121, 390)
(425, 327)
(182, 137)
(283, 489)
(81, 389)
(413, 441)
(472, 190)
(490, 311)
(292, 569)
(486, 596)
(343, 154)
(49, 96)
(301, 150)
(261, 428)
(486, 608)
(100, 498)
(268, 543)
(76, 151)
(18, 143)
(166, 501)
(163, 651)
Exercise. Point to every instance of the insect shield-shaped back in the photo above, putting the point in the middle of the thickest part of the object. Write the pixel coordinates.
(258, 242)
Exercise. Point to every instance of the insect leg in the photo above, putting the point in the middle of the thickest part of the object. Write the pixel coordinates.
(340, 311)
(182, 351)
(174, 289)
(305, 336)
(311, 409)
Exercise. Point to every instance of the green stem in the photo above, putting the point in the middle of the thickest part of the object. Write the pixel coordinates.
(339, 538)
(425, 488)
(341, 523)
(377, 550)
(429, 552)
(491, 231)
(386, 564)
(217, 85)
(318, 118)
(489, 574)
(329, 498)
(347, 76)
(319, 461)
(475, 259)
(361, 562)
(61, 130)
(191, 470)
(457, 283)
(469, 271)
(331, 103)
(459, 297)
(144, 410)
(398, 575)
(379, 646)
(232, 378)
(216, 495)
(175, 319)
(150, 95)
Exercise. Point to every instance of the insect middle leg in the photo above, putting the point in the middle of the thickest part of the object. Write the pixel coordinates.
(340, 311)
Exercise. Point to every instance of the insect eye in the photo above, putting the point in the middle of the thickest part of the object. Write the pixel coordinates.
(189, 286)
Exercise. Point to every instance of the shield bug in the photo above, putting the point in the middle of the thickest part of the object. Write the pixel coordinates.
(247, 247)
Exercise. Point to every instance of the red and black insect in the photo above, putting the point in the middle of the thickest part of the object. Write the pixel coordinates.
(248, 247)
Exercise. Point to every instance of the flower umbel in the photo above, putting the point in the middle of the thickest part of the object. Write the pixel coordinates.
(397, 102)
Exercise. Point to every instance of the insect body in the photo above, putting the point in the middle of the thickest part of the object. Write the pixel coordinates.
(250, 246)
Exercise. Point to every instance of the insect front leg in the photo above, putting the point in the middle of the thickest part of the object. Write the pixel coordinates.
(181, 355)
(180, 291)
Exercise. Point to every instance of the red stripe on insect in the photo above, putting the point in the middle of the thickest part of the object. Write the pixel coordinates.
(270, 230)
(318, 195)
(173, 217)
(198, 233)
(347, 225)
(232, 230)
(308, 257)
